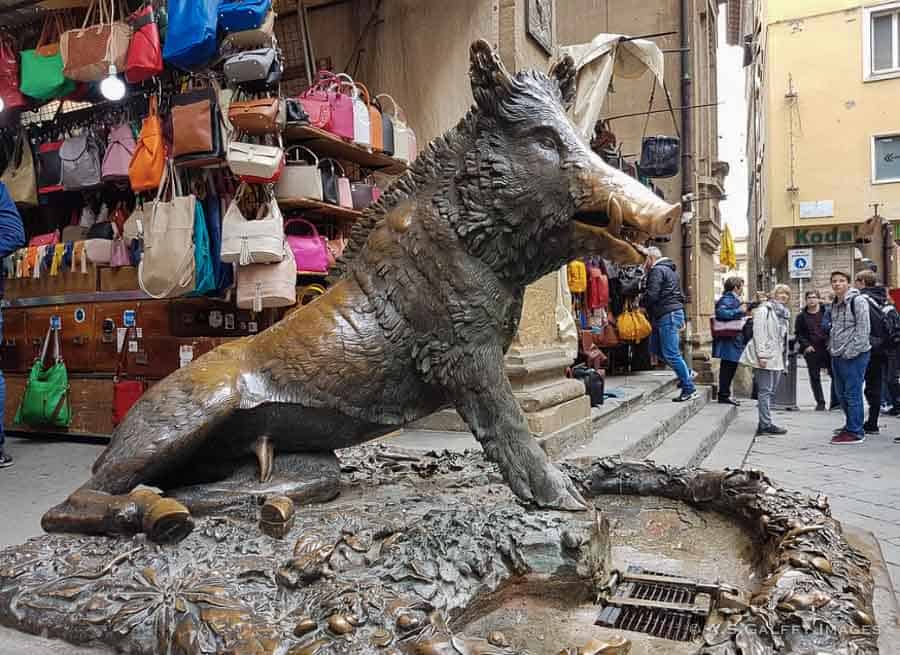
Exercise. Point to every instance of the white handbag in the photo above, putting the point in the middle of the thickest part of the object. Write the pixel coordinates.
(259, 241)
(167, 265)
(300, 179)
(404, 138)
(255, 160)
(362, 128)
(262, 286)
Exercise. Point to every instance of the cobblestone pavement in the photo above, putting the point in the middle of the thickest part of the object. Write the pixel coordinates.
(862, 482)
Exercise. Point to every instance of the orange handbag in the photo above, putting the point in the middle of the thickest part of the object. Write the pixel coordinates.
(376, 134)
(149, 160)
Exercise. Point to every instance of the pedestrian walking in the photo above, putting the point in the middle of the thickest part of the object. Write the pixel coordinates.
(892, 358)
(879, 340)
(663, 302)
(811, 330)
(729, 307)
(767, 353)
(12, 237)
(850, 347)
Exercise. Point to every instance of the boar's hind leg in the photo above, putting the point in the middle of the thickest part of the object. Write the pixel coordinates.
(485, 400)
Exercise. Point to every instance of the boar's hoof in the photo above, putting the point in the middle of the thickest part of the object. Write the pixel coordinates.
(167, 521)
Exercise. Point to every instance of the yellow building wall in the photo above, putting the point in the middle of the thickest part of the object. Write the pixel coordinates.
(835, 115)
(779, 10)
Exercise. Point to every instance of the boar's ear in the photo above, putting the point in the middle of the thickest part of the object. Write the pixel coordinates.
(491, 82)
(565, 74)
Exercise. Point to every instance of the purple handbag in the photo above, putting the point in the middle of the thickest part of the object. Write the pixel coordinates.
(310, 251)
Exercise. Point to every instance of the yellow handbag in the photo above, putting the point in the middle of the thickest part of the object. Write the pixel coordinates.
(577, 275)
(633, 326)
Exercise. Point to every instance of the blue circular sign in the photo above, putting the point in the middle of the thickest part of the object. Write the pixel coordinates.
(800, 263)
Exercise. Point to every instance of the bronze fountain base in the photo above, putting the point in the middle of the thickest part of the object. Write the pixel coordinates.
(432, 554)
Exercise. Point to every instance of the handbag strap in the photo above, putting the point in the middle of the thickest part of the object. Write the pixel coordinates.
(122, 365)
(292, 149)
(333, 163)
(367, 97)
(650, 108)
(397, 111)
(302, 221)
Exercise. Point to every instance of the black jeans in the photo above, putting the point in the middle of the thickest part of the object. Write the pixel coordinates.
(874, 376)
(815, 362)
(726, 375)
(892, 378)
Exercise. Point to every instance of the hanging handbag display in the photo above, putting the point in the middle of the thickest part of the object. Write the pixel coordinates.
(660, 155)
(197, 128)
(403, 138)
(255, 162)
(120, 148)
(9, 76)
(126, 391)
(204, 271)
(256, 117)
(41, 75)
(191, 32)
(87, 53)
(387, 129)
(49, 167)
(45, 402)
(167, 266)
(310, 251)
(144, 59)
(19, 176)
(249, 66)
(633, 326)
(239, 15)
(631, 280)
(263, 286)
(258, 241)
(149, 160)
(362, 133)
(81, 166)
(300, 178)
(257, 37)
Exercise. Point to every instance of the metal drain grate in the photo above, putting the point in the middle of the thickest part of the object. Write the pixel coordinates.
(661, 605)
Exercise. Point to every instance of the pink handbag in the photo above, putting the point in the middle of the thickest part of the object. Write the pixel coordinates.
(340, 104)
(48, 239)
(310, 251)
(119, 151)
(119, 255)
(345, 193)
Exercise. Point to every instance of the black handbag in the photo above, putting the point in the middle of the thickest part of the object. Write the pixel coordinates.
(387, 130)
(103, 230)
(294, 112)
(330, 175)
(660, 155)
(631, 279)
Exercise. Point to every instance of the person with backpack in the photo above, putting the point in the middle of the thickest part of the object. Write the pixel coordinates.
(881, 342)
(766, 353)
(892, 359)
(811, 330)
(849, 345)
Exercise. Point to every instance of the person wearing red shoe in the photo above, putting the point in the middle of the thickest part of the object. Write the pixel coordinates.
(850, 347)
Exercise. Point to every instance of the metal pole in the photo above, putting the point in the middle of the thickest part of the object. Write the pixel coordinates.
(661, 111)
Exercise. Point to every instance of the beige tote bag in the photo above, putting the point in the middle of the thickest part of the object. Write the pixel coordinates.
(20, 178)
(167, 266)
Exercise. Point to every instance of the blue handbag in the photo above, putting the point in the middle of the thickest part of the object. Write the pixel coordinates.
(240, 15)
(191, 34)
(204, 274)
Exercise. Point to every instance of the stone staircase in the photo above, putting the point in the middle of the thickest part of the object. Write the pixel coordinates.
(643, 423)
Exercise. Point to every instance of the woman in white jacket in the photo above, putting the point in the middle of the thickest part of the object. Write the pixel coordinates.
(767, 353)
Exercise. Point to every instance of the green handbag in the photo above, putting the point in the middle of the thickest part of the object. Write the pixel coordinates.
(45, 402)
(42, 68)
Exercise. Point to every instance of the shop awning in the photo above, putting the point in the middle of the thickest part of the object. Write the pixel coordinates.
(608, 55)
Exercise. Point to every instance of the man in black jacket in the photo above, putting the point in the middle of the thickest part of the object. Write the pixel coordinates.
(867, 283)
(811, 329)
(12, 237)
(663, 302)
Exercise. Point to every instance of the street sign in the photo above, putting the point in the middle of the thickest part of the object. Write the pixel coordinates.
(800, 263)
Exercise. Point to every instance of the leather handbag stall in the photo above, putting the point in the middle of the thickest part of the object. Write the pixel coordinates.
(120, 147)
(81, 166)
(191, 32)
(87, 53)
(310, 251)
(149, 161)
(45, 402)
(262, 286)
(257, 37)
(144, 59)
(41, 74)
(49, 167)
(300, 178)
(19, 176)
(256, 117)
(258, 241)
(240, 15)
(126, 391)
(9, 76)
(167, 267)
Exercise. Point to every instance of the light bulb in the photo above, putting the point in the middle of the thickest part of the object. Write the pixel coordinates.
(112, 88)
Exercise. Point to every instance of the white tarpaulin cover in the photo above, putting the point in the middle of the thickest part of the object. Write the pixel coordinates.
(608, 55)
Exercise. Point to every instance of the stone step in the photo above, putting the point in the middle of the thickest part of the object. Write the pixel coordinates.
(731, 450)
(638, 390)
(638, 434)
(692, 442)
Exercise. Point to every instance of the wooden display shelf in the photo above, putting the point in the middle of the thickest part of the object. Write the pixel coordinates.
(326, 144)
(319, 207)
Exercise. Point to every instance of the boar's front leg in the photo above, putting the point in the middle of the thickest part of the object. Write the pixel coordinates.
(484, 398)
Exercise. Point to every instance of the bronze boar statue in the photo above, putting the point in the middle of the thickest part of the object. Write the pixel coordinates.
(426, 301)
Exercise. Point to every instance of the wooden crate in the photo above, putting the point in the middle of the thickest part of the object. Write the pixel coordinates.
(124, 278)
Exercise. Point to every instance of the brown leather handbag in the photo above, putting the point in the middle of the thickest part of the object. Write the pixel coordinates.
(609, 338)
(197, 128)
(256, 117)
(87, 53)
(376, 131)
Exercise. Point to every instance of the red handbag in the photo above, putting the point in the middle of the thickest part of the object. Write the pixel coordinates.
(9, 77)
(125, 392)
(144, 59)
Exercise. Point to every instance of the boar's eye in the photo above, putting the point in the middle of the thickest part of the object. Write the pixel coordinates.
(546, 138)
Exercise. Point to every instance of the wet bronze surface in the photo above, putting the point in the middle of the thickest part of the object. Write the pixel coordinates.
(419, 550)
(423, 306)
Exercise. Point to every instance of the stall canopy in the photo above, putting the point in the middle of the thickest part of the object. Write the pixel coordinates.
(597, 62)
